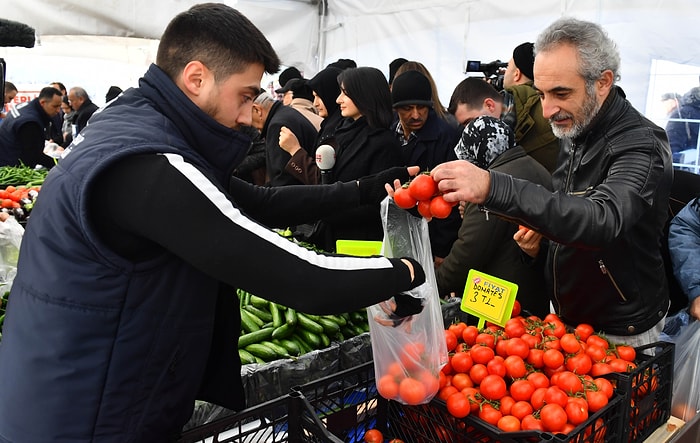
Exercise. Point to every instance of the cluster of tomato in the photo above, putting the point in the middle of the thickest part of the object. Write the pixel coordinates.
(410, 380)
(422, 192)
(531, 374)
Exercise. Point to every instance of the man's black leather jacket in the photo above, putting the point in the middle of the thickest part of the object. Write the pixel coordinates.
(604, 220)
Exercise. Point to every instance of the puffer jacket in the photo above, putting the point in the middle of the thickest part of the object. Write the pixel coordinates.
(684, 246)
(605, 220)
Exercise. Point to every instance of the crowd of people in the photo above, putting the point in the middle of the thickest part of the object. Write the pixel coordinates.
(123, 310)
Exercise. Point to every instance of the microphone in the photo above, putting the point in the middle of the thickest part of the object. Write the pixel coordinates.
(325, 160)
(16, 34)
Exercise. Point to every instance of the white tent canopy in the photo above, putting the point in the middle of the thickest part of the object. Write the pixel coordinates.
(103, 42)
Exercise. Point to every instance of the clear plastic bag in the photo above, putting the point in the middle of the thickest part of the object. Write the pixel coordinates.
(11, 233)
(408, 357)
(686, 383)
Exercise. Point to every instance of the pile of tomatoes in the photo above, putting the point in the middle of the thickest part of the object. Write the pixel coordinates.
(531, 374)
(422, 193)
(410, 379)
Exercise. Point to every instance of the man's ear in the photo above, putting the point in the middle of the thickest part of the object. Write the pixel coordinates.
(605, 82)
(193, 77)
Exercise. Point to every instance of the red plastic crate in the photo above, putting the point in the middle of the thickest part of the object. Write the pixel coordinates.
(647, 391)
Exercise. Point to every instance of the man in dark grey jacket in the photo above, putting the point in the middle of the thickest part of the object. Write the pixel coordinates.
(606, 216)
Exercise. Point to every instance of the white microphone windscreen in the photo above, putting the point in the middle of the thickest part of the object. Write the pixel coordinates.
(325, 157)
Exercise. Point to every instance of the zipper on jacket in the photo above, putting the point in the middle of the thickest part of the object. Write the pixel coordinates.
(605, 271)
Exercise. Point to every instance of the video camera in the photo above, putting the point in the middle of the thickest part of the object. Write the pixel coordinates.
(493, 71)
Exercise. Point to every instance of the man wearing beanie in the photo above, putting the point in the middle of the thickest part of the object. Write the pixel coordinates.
(524, 109)
(427, 140)
(298, 95)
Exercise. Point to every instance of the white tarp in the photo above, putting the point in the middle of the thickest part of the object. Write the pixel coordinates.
(442, 34)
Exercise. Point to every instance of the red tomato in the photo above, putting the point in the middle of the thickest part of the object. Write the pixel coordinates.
(388, 387)
(518, 346)
(450, 340)
(458, 405)
(600, 368)
(457, 328)
(461, 362)
(626, 352)
(482, 354)
(583, 331)
(531, 423)
(469, 335)
(555, 395)
(505, 404)
(605, 386)
(538, 379)
(580, 363)
(569, 382)
(555, 328)
(521, 390)
(596, 353)
(446, 391)
(411, 355)
(537, 398)
(496, 366)
(521, 409)
(535, 358)
(424, 209)
(552, 358)
(569, 343)
(373, 436)
(493, 387)
(514, 328)
(412, 391)
(596, 400)
(597, 340)
(486, 339)
(508, 423)
(422, 187)
(474, 402)
(403, 199)
(490, 414)
(515, 367)
(553, 417)
(462, 380)
(577, 410)
(439, 208)
(516, 309)
(478, 372)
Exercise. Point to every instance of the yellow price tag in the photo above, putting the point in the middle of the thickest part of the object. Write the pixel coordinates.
(489, 298)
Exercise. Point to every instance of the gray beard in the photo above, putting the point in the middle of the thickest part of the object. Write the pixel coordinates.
(589, 110)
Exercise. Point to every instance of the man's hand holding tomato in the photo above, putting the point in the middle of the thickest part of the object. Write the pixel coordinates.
(528, 240)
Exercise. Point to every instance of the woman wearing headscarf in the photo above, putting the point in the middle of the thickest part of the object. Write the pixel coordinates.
(364, 145)
(485, 243)
(326, 90)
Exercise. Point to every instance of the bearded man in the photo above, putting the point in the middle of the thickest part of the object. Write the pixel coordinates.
(605, 219)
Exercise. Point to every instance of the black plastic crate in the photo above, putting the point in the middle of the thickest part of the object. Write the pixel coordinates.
(288, 418)
(348, 405)
(647, 390)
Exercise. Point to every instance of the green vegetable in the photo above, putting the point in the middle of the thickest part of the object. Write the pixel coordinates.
(22, 175)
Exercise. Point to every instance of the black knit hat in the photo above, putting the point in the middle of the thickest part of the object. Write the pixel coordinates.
(411, 88)
(524, 59)
(300, 88)
(289, 74)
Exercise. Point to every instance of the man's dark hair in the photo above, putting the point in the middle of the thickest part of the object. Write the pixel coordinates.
(61, 86)
(369, 90)
(48, 92)
(9, 86)
(472, 91)
(217, 35)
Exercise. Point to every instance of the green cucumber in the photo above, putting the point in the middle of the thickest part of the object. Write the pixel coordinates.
(290, 316)
(280, 350)
(262, 351)
(303, 345)
(283, 331)
(311, 339)
(246, 357)
(259, 302)
(307, 323)
(291, 346)
(260, 313)
(255, 337)
(277, 320)
(248, 324)
(329, 326)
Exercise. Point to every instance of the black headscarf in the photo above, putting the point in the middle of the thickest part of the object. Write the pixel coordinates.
(484, 139)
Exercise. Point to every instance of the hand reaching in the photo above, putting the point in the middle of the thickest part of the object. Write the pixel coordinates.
(528, 240)
(399, 309)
